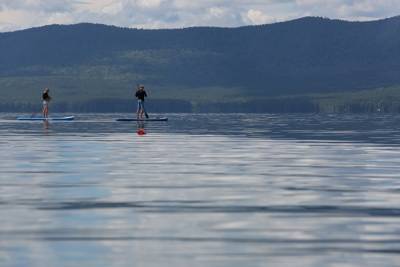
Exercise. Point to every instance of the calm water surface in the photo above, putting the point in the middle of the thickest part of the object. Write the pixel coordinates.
(201, 190)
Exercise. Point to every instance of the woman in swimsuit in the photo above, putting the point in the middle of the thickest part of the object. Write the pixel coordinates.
(46, 99)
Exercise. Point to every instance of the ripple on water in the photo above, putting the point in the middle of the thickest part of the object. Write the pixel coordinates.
(220, 190)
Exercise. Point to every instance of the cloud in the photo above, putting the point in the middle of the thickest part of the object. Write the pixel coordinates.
(148, 3)
(256, 17)
(350, 9)
(18, 14)
(44, 6)
(113, 8)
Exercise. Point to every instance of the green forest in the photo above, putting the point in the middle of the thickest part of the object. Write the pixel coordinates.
(305, 65)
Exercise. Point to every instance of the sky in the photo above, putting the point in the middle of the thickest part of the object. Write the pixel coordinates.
(153, 14)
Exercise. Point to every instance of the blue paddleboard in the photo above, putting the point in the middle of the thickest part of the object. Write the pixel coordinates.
(135, 119)
(28, 118)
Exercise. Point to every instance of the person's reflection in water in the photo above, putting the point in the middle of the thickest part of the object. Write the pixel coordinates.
(46, 125)
(140, 128)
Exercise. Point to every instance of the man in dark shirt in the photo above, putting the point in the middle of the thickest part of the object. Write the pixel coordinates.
(141, 94)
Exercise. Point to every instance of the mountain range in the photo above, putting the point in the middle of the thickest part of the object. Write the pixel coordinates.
(297, 62)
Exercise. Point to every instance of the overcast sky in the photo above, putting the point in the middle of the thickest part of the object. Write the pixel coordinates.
(20, 14)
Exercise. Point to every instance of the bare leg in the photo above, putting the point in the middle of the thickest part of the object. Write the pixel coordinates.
(45, 111)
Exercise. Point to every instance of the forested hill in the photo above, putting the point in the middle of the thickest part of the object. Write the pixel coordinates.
(311, 55)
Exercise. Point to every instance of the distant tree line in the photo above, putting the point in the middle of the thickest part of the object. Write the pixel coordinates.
(284, 105)
(102, 105)
(301, 104)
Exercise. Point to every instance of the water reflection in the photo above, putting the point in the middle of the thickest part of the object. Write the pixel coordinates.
(377, 129)
(46, 125)
(140, 128)
(291, 190)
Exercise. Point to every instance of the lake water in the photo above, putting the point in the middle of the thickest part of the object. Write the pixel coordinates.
(201, 190)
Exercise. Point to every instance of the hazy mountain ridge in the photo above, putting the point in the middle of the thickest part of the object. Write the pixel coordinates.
(303, 56)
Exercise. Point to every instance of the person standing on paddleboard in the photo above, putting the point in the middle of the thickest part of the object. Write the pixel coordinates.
(140, 95)
(46, 99)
